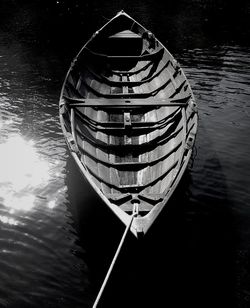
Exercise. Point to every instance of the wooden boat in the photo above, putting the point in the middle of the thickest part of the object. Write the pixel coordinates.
(130, 119)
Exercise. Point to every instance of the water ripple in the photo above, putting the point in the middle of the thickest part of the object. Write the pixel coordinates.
(42, 259)
(220, 78)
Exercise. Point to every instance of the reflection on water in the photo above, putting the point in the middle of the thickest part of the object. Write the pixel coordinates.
(39, 255)
(23, 173)
(52, 252)
(8, 220)
(220, 79)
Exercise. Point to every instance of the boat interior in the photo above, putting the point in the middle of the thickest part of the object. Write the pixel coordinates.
(129, 114)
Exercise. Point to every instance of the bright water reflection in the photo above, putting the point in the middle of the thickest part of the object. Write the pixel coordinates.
(36, 242)
(23, 173)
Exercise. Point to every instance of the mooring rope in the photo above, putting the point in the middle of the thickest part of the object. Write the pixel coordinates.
(135, 212)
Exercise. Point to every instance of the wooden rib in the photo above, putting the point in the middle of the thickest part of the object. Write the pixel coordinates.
(72, 123)
(118, 128)
(120, 147)
(102, 78)
(131, 188)
(127, 165)
(129, 95)
(131, 73)
(145, 57)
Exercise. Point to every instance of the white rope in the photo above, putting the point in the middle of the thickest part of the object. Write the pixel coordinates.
(114, 259)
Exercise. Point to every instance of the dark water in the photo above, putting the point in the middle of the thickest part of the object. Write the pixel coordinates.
(57, 239)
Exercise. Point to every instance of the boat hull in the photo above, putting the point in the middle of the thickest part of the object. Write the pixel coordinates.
(130, 120)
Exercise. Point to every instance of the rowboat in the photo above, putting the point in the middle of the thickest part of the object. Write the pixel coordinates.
(130, 119)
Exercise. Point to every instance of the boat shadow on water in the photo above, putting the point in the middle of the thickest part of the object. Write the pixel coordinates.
(187, 256)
